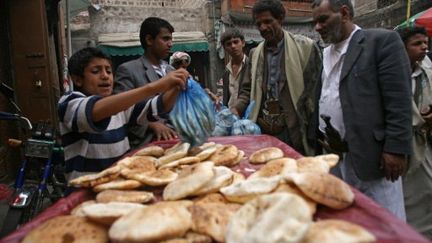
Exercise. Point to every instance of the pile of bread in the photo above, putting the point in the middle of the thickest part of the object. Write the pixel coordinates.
(203, 200)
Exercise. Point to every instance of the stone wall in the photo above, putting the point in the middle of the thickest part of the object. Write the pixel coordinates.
(126, 16)
(385, 13)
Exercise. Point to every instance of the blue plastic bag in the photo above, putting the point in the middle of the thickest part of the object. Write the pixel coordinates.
(229, 124)
(245, 126)
(193, 115)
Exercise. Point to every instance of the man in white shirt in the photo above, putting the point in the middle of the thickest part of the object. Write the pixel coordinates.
(364, 103)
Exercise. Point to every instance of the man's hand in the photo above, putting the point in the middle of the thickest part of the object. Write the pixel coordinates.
(393, 165)
(215, 99)
(161, 131)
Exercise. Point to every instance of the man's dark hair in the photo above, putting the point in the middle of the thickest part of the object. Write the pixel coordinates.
(152, 26)
(408, 32)
(275, 7)
(336, 5)
(80, 59)
(230, 34)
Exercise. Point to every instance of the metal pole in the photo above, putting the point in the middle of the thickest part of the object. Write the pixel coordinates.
(69, 38)
(408, 9)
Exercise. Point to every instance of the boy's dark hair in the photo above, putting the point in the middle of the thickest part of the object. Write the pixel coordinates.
(230, 34)
(275, 7)
(408, 32)
(336, 5)
(152, 26)
(80, 59)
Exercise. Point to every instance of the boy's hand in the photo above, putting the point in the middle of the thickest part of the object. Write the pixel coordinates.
(161, 131)
(175, 78)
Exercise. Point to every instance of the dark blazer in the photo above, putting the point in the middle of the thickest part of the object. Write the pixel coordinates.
(375, 95)
(130, 75)
(225, 79)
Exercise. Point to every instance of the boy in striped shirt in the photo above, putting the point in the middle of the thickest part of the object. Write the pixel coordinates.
(93, 123)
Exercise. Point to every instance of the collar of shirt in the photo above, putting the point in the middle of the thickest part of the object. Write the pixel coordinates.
(161, 69)
(229, 66)
(334, 52)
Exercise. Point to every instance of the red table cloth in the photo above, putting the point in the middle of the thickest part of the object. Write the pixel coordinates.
(365, 212)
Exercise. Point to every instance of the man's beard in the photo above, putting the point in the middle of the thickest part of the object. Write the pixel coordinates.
(335, 35)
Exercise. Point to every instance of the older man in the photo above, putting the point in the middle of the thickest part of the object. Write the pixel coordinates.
(364, 103)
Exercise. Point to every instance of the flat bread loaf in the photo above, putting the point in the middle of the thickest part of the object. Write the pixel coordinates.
(139, 163)
(266, 154)
(77, 211)
(276, 167)
(333, 230)
(276, 217)
(124, 196)
(331, 159)
(312, 164)
(189, 181)
(246, 190)
(324, 188)
(157, 222)
(107, 213)
(67, 228)
(212, 218)
(154, 150)
(177, 152)
(119, 184)
(153, 178)
(224, 155)
(222, 177)
(92, 180)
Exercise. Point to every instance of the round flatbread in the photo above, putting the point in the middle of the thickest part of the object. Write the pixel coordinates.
(124, 196)
(189, 181)
(276, 167)
(246, 190)
(266, 154)
(119, 184)
(224, 155)
(154, 178)
(277, 217)
(333, 230)
(312, 164)
(324, 188)
(107, 213)
(67, 228)
(155, 223)
(154, 150)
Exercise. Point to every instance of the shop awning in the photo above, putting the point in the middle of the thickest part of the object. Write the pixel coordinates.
(127, 44)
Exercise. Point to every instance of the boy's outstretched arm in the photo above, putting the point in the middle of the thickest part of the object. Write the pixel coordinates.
(113, 104)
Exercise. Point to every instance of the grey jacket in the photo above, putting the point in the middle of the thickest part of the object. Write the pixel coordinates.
(375, 94)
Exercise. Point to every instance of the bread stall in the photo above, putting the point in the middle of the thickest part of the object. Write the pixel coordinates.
(375, 221)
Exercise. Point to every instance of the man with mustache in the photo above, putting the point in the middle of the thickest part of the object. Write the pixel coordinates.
(280, 77)
(417, 182)
(156, 40)
(364, 103)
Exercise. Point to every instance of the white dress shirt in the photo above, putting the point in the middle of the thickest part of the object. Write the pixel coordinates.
(329, 103)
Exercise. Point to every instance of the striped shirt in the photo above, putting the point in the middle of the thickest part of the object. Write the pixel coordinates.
(94, 146)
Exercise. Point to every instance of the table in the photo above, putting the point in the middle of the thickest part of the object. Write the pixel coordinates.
(365, 212)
